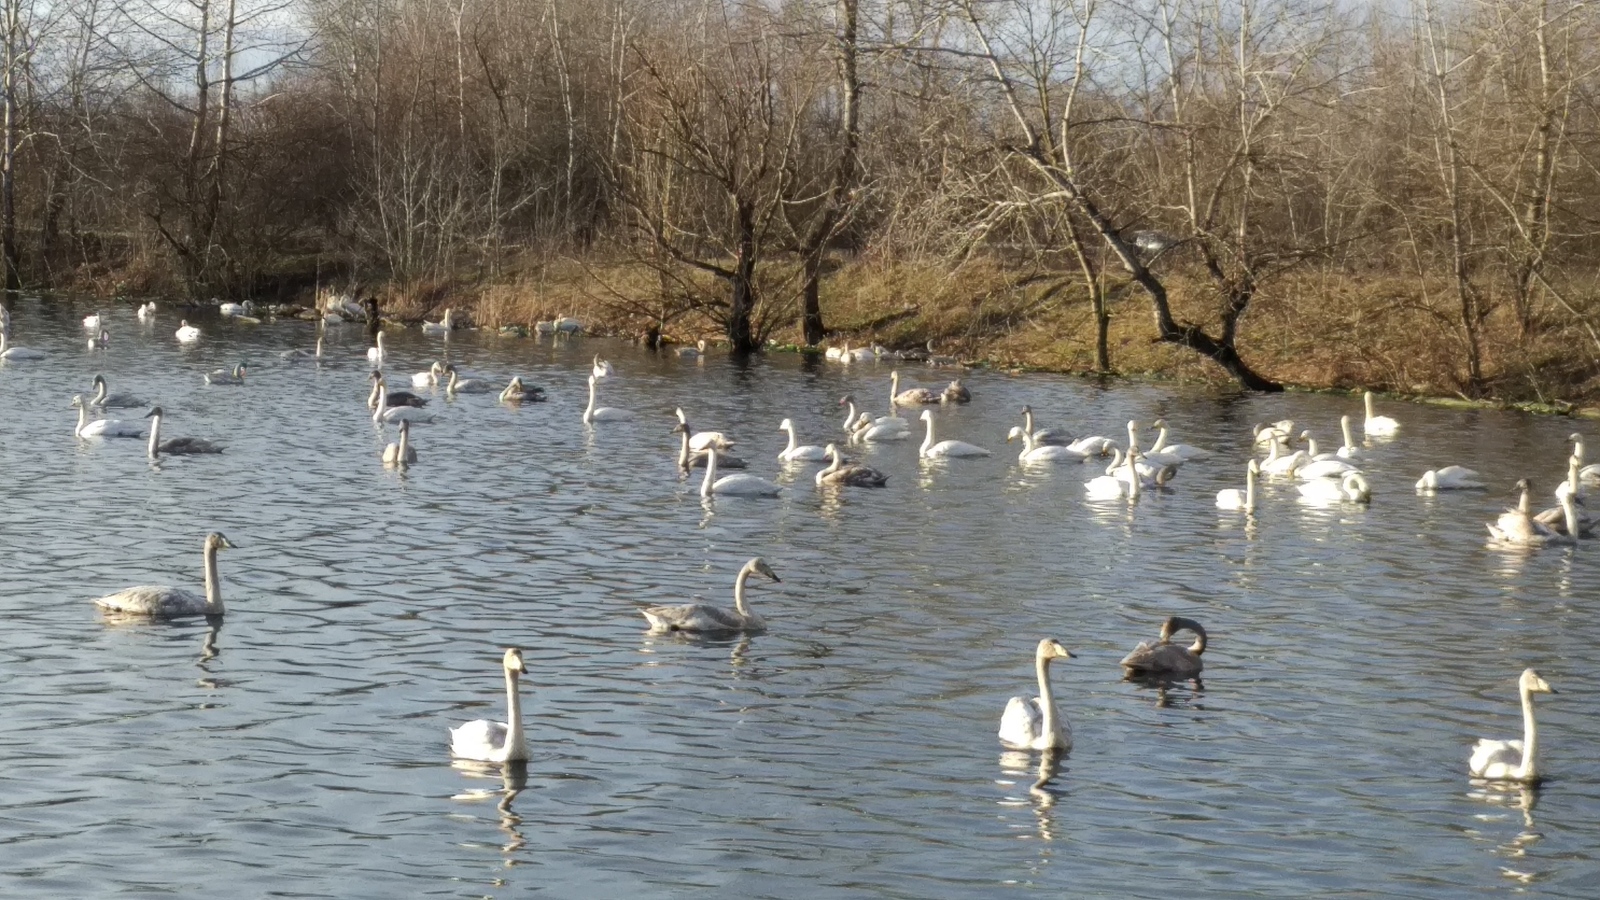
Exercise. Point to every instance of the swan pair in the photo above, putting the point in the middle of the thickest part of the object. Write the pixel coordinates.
(1518, 527)
(705, 618)
(146, 311)
(689, 459)
(164, 601)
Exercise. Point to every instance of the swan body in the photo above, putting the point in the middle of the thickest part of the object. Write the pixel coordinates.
(223, 376)
(1325, 468)
(955, 392)
(1279, 432)
(851, 474)
(704, 618)
(567, 325)
(1513, 760)
(1093, 445)
(300, 354)
(1378, 426)
(933, 450)
(1233, 498)
(231, 309)
(1182, 452)
(1127, 483)
(836, 353)
(1035, 452)
(166, 602)
(104, 399)
(1282, 466)
(1352, 488)
(146, 311)
(428, 378)
(1517, 527)
(517, 392)
(734, 485)
(866, 354)
(695, 352)
(909, 397)
(94, 321)
(459, 385)
(1164, 659)
(1044, 437)
(383, 413)
(181, 446)
(797, 452)
(443, 326)
(1034, 723)
(384, 397)
(1449, 478)
(603, 367)
(186, 333)
(487, 741)
(592, 413)
(375, 353)
(879, 431)
(102, 427)
(401, 453)
(17, 353)
(852, 421)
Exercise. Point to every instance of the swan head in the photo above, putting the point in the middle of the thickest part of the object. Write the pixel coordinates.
(1533, 683)
(512, 661)
(1429, 481)
(154, 413)
(681, 428)
(77, 401)
(1014, 433)
(927, 415)
(847, 399)
(436, 369)
(1254, 467)
(216, 540)
(786, 425)
(99, 381)
(831, 451)
(679, 413)
(1175, 624)
(1050, 648)
(759, 566)
(1159, 423)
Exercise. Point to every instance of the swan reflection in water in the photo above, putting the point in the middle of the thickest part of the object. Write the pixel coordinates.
(1511, 796)
(513, 781)
(1042, 795)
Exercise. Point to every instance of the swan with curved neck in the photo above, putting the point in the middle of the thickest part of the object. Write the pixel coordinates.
(909, 397)
(1278, 464)
(104, 399)
(932, 449)
(224, 376)
(175, 446)
(1164, 659)
(400, 453)
(796, 451)
(1035, 723)
(459, 385)
(736, 485)
(1379, 426)
(1513, 760)
(1035, 452)
(517, 392)
(102, 427)
(1233, 498)
(1449, 478)
(703, 617)
(429, 378)
(164, 601)
(698, 351)
(1044, 437)
(592, 413)
(852, 474)
(1352, 488)
(1127, 483)
(1181, 452)
(487, 741)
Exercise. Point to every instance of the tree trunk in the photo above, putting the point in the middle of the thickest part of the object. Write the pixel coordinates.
(8, 152)
(743, 298)
(811, 318)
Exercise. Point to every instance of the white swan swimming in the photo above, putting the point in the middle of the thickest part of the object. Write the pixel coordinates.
(1126, 483)
(567, 325)
(1283, 466)
(1352, 488)
(796, 451)
(164, 601)
(147, 311)
(1164, 659)
(223, 376)
(487, 741)
(1449, 478)
(94, 321)
(104, 399)
(176, 446)
(459, 385)
(443, 326)
(375, 354)
(735, 485)
(1035, 723)
(705, 618)
(603, 368)
(390, 398)
(852, 474)
(383, 413)
(1035, 452)
(1347, 450)
(17, 353)
(1513, 760)
(852, 421)
(592, 413)
(300, 354)
(231, 309)
(1279, 432)
(838, 353)
(881, 430)
(186, 333)
(1378, 426)
(1322, 465)
(1161, 449)
(688, 459)
(1573, 484)
(430, 377)
(933, 450)
(102, 427)
(1043, 436)
(401, 453)
(911, 396)
(701, 441)
(696, 352)
(1233, 498)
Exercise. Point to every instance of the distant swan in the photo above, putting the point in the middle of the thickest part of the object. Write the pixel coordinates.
(603, 368)
(695, 352)
(931, 449)
(102, 427)
(1449, 478)
(1513, 760)
(488, 741)
(428, 378)
(796, 451)
(300, 354)
(1036, 724)
(703, 617)
(17, 353)
(1378, 426)
(736, 485)
(1352, 488)
(1233, 498)
(94, 322)
(391, 398)
(1165, 659)
(443, 326)
(106, 400)
(375, 353)
(176, 446)
(186, 333)
(517, 392)
(593, 413)
(955, 392)
(1348, 449)
(401, 453)
(852, 474)
(459, 385)
(147, 311)
(223, 376)
(163, 601)
(100, 341)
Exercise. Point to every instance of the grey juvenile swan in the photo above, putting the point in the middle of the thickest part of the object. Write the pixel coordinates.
(175, 446)
(1164, 659)
(703, 617)
(165, 601)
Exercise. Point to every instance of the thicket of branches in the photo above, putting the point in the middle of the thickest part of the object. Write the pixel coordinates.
(225, 147)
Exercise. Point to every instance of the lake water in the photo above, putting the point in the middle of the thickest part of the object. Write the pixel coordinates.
(300, 749)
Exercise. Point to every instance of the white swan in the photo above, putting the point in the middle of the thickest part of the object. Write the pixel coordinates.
(703, 617)
(223, 376)
(94, 321)
(300, 354)
(375, 353)
(230, 309)
(383, 413)
(688, 460)
(459, 385)
(443, 326)
(880, 430)
(1035, 452)
(1573, 484)
(1279, 432)
(1347, 450)
(1035, 723)
(1161, 449)
(104, 399)
(1513, 760)
(735, 485)
(1378, 426)
(102, 427)
(592, 413)
(1126, 483)
(186, 333)
(428, 378)
(147, 311)
(164, 601)
(1449, 478)
(390, 398)
(1233, 498)
(695, 352)
(488, 741)
(932, 450)
(401, 453)
(1285, 466)
(1164, 659)
(868, 354)
(1043, 436)
(1352, 488)
(567, 325)
(852, 421)
(603, 367)
(1322, 465)
(175, 446)
(837, 353)
(17, 353)
(839, 472)
(796, 452)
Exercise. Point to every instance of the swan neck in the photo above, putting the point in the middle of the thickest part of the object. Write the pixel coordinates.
(405, 443)
(1047, 697)
(1530, 738)
(738, 592)
(927, 442)
(155, 437)
(375, 396)
(1161, 440)
(683, 451)
(213, 584)
(1027, 424)
(850, 418)
(1344, 426)
(588, 412)
(1569, 507)
(792, 443)
(1368, 399)
(83, 420)
(383, 397)
(711, 469)
(1249, 490)
(514, 738)
(1133, 478)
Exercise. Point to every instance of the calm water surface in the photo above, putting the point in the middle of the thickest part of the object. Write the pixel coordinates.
(300, 749)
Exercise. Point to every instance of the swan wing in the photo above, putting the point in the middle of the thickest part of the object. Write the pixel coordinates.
(153, 600)
(694, 617)
(480, 739)
(190, 445)
(1495, 759)
(745, 485)
(1231, 498)
(1022, 723)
